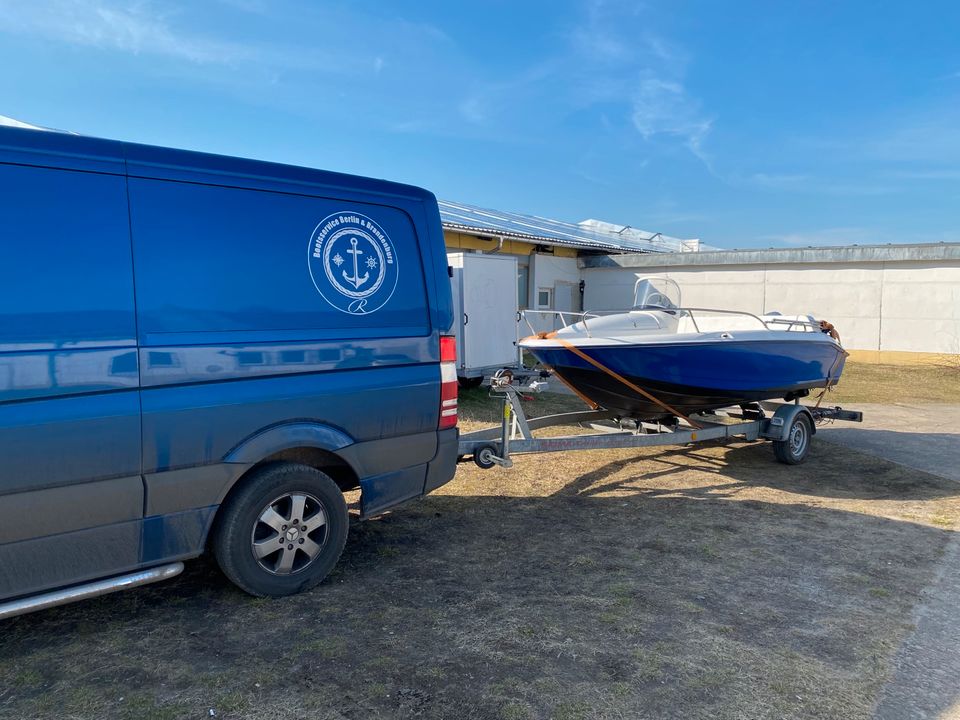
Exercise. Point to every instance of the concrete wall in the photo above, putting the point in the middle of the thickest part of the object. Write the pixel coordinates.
(884, 300)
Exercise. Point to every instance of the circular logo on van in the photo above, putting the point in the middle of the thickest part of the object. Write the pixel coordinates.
(352, 263)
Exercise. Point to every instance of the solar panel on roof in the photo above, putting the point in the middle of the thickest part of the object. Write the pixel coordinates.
(531, 227)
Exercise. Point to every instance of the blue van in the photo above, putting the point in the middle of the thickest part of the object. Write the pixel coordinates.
(206, 352)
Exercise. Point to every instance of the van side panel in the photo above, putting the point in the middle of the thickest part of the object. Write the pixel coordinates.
(237, 336)
(236, 262)
(69, 408)
(201, 424)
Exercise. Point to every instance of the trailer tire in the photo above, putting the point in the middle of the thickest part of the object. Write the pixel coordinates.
(483, 456)
(468, 383)
(794, 449)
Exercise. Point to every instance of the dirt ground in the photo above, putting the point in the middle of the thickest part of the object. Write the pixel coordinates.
(706, 582)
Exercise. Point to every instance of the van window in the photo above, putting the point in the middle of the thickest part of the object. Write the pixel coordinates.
(230, 260)
(60, 229)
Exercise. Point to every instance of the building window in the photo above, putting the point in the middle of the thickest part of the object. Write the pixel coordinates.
(293, 356)
(124, 364)
(247, 357)
(162, 360)
(545, 298)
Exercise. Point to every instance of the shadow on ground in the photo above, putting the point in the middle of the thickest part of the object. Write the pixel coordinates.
(696, 584)
(742, 466)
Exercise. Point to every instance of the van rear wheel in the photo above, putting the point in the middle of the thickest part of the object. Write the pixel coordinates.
(281, 531)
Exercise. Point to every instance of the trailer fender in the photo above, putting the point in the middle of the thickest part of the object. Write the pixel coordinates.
(778, 427)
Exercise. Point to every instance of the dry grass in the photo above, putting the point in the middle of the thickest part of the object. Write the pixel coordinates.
(865, 383)
(705, 582)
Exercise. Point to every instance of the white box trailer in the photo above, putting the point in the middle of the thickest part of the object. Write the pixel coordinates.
(486, 312)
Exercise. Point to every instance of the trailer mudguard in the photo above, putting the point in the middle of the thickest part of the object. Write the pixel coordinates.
(778, 427)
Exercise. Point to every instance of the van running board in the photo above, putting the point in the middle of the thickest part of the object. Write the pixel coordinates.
(88, 590)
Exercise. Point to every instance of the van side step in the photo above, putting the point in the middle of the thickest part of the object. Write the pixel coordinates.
(89, 590)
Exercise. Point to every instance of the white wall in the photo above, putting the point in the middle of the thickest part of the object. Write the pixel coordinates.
(548, 271)
(903, 306)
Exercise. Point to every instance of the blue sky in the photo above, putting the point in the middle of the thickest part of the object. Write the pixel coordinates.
(743, 123)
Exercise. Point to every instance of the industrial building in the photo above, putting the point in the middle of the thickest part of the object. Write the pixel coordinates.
(547, 250)
(891, 303)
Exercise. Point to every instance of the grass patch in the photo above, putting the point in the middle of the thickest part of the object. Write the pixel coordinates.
(862, 382)
(145, 706)
(571, 710)
(328, 647)
(476, 405)
(516, 711)
(648, 662)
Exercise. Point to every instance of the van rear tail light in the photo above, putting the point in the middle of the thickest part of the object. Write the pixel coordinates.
(448, 382)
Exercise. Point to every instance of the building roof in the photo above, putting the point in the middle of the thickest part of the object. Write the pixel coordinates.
(908, 252)
(589, 235)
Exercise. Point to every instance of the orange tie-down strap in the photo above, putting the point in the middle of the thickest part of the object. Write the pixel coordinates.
(636, 388)
(832, 331)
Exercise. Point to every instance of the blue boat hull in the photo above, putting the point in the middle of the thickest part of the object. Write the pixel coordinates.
(693, 377)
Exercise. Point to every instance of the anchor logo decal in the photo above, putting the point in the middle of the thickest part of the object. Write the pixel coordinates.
(356, 280)
(363, 286)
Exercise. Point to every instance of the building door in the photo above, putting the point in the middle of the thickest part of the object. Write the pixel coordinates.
(567, 299)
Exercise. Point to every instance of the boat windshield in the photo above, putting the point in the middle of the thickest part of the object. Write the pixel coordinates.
(656, 293)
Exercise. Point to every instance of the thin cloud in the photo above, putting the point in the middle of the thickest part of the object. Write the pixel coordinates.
(136, 27)
(925, 174)
(149, 28)
(663, 107)
(618, 62)
(497, 100)
(779, 181)
(813, 185)
(471, 109)
(593, 40)
(254, 7)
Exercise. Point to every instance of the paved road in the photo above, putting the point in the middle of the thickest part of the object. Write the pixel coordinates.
(925, 437)
(926, 669)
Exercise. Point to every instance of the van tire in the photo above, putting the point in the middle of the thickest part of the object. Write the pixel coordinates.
(250, 520)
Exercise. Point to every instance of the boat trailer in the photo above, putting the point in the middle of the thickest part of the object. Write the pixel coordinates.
(790, 426)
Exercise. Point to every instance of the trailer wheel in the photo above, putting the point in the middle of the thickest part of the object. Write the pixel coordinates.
(468, 383)
(794, 449)
(484, 457)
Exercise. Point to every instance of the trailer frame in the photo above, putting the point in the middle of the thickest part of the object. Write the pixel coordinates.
(790, 427)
